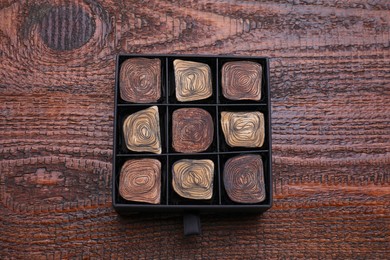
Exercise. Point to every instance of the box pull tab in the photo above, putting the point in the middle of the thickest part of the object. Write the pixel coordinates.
(191, 224)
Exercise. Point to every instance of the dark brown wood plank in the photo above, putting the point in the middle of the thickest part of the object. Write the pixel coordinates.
(330, 83)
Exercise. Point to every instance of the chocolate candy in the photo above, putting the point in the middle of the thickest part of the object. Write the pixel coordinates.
(193, 80)
(192, 130)
(140, 80)
(142, 131)
(241, 80)
(193, 179)
(243, 129)
(140, 180)
(243, 179)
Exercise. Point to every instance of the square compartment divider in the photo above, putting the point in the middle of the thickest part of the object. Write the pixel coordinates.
(218, 150)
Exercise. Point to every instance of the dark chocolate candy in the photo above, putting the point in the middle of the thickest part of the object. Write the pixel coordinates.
(140, 180)
(192, 130)
(243, 179)
(241, 80)
(140, 80)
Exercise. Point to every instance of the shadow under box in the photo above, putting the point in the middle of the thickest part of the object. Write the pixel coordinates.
(123, 112)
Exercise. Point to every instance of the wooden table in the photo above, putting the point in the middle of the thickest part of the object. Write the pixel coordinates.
(330, 82)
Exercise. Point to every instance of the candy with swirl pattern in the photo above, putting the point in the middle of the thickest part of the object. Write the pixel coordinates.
(142, 131)
(243, 129)
(243, 179)
(193, 179)
(140, 180)
(192, 130)
(193, 80)
(241, 80)
(140, 80)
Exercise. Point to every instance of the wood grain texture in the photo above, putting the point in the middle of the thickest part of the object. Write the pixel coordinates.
(330, 87)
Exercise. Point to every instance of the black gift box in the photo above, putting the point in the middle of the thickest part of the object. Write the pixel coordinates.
(219, 151)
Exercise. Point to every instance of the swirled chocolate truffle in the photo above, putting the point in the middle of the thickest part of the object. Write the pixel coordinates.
(192, 130)
(142, 131)
(243, 129)
(193, 80)
(243, 179)
(140, 80)
(241, 80)
(140, 180)
(193, 179)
